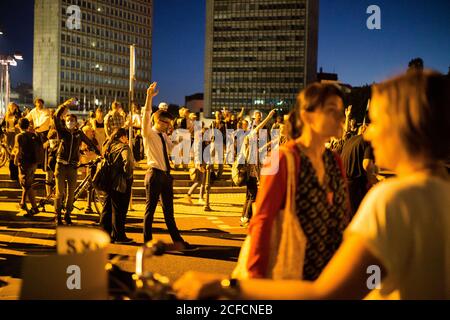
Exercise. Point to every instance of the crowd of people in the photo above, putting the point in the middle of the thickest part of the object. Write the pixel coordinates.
(348, 220)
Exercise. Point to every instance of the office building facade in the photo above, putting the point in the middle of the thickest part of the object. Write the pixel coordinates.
(259, 53)
(88, 56)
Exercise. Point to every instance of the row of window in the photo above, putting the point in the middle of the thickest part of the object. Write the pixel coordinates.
(248, 91)
(259, 59)
(228, 17)
(111, 23)
(99, 93)
(258, 69)
(253, 6)
(261, 28)
(69, 75)
(258, 49)
(97, 67)
(251, 101)
(100, 58)
(130, 5)
(109, 36)
(92, 33)
(249, 38)
(258, 80)
(93, 78)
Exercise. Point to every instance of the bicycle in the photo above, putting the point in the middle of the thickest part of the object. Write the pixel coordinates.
(44, 198)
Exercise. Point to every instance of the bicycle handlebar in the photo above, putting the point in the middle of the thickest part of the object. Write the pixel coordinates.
(90, 163)
(157, 248)
(150, 285)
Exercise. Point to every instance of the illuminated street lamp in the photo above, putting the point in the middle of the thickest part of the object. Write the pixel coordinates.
(5, 82)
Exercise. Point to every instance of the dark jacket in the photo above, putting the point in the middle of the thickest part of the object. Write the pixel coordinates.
(69, 147)
(23, 144)
(120, 156)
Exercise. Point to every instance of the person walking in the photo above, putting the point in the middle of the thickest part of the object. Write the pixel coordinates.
(26, 161)
(251, 155)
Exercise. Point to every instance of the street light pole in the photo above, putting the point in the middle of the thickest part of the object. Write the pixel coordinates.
(130, 100)
(5, 82)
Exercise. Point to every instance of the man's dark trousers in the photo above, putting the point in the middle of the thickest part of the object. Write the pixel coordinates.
(159, 183)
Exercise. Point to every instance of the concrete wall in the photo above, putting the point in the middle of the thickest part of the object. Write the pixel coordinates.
(47, 26)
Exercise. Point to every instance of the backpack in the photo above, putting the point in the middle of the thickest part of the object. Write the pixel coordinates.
(102, 177)
(105, 173)
(239, 173)
(38, 148)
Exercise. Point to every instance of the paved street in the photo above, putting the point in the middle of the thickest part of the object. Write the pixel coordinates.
(217, 233)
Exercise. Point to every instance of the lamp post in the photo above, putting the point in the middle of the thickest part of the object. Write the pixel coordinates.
(5, 82)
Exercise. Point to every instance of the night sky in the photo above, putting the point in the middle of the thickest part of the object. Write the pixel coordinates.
(409, 29)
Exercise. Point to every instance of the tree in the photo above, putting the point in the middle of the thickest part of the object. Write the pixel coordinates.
(415, 64)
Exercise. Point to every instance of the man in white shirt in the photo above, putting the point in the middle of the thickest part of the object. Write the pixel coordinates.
(40, 116)
(158, 180)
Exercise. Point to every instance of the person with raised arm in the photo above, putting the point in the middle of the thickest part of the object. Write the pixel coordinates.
(158, 180)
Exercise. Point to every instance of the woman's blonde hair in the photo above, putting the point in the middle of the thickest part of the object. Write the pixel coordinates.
(419, 108)
(8, 111)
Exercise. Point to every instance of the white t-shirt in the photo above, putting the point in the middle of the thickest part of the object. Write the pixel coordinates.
(406, 225)
(40, 118)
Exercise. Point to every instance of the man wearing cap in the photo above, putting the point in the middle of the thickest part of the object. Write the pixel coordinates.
(163, 106)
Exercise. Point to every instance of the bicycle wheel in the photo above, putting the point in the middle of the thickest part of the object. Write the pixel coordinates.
(3, 156)
(99, 200)
(40, 188)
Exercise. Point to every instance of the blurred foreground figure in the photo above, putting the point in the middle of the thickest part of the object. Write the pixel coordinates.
(402, 227)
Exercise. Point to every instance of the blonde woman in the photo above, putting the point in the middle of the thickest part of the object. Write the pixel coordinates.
(12, 117)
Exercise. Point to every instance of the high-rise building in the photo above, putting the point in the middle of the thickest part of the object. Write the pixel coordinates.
(82, 49)
(259, 53)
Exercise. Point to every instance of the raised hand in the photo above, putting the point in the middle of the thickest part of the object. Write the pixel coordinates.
(152, 91)
(70, 102)
(348, 111)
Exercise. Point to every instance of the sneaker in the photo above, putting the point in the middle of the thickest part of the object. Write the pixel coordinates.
(244, 222)
(88, 210)
(58, 220)
(201, 202)
(22, 206)
(188, 199)
(31, 212)
(67, 219)
(123, 241)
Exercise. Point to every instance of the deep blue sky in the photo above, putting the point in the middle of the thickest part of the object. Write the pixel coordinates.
(410, 28)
